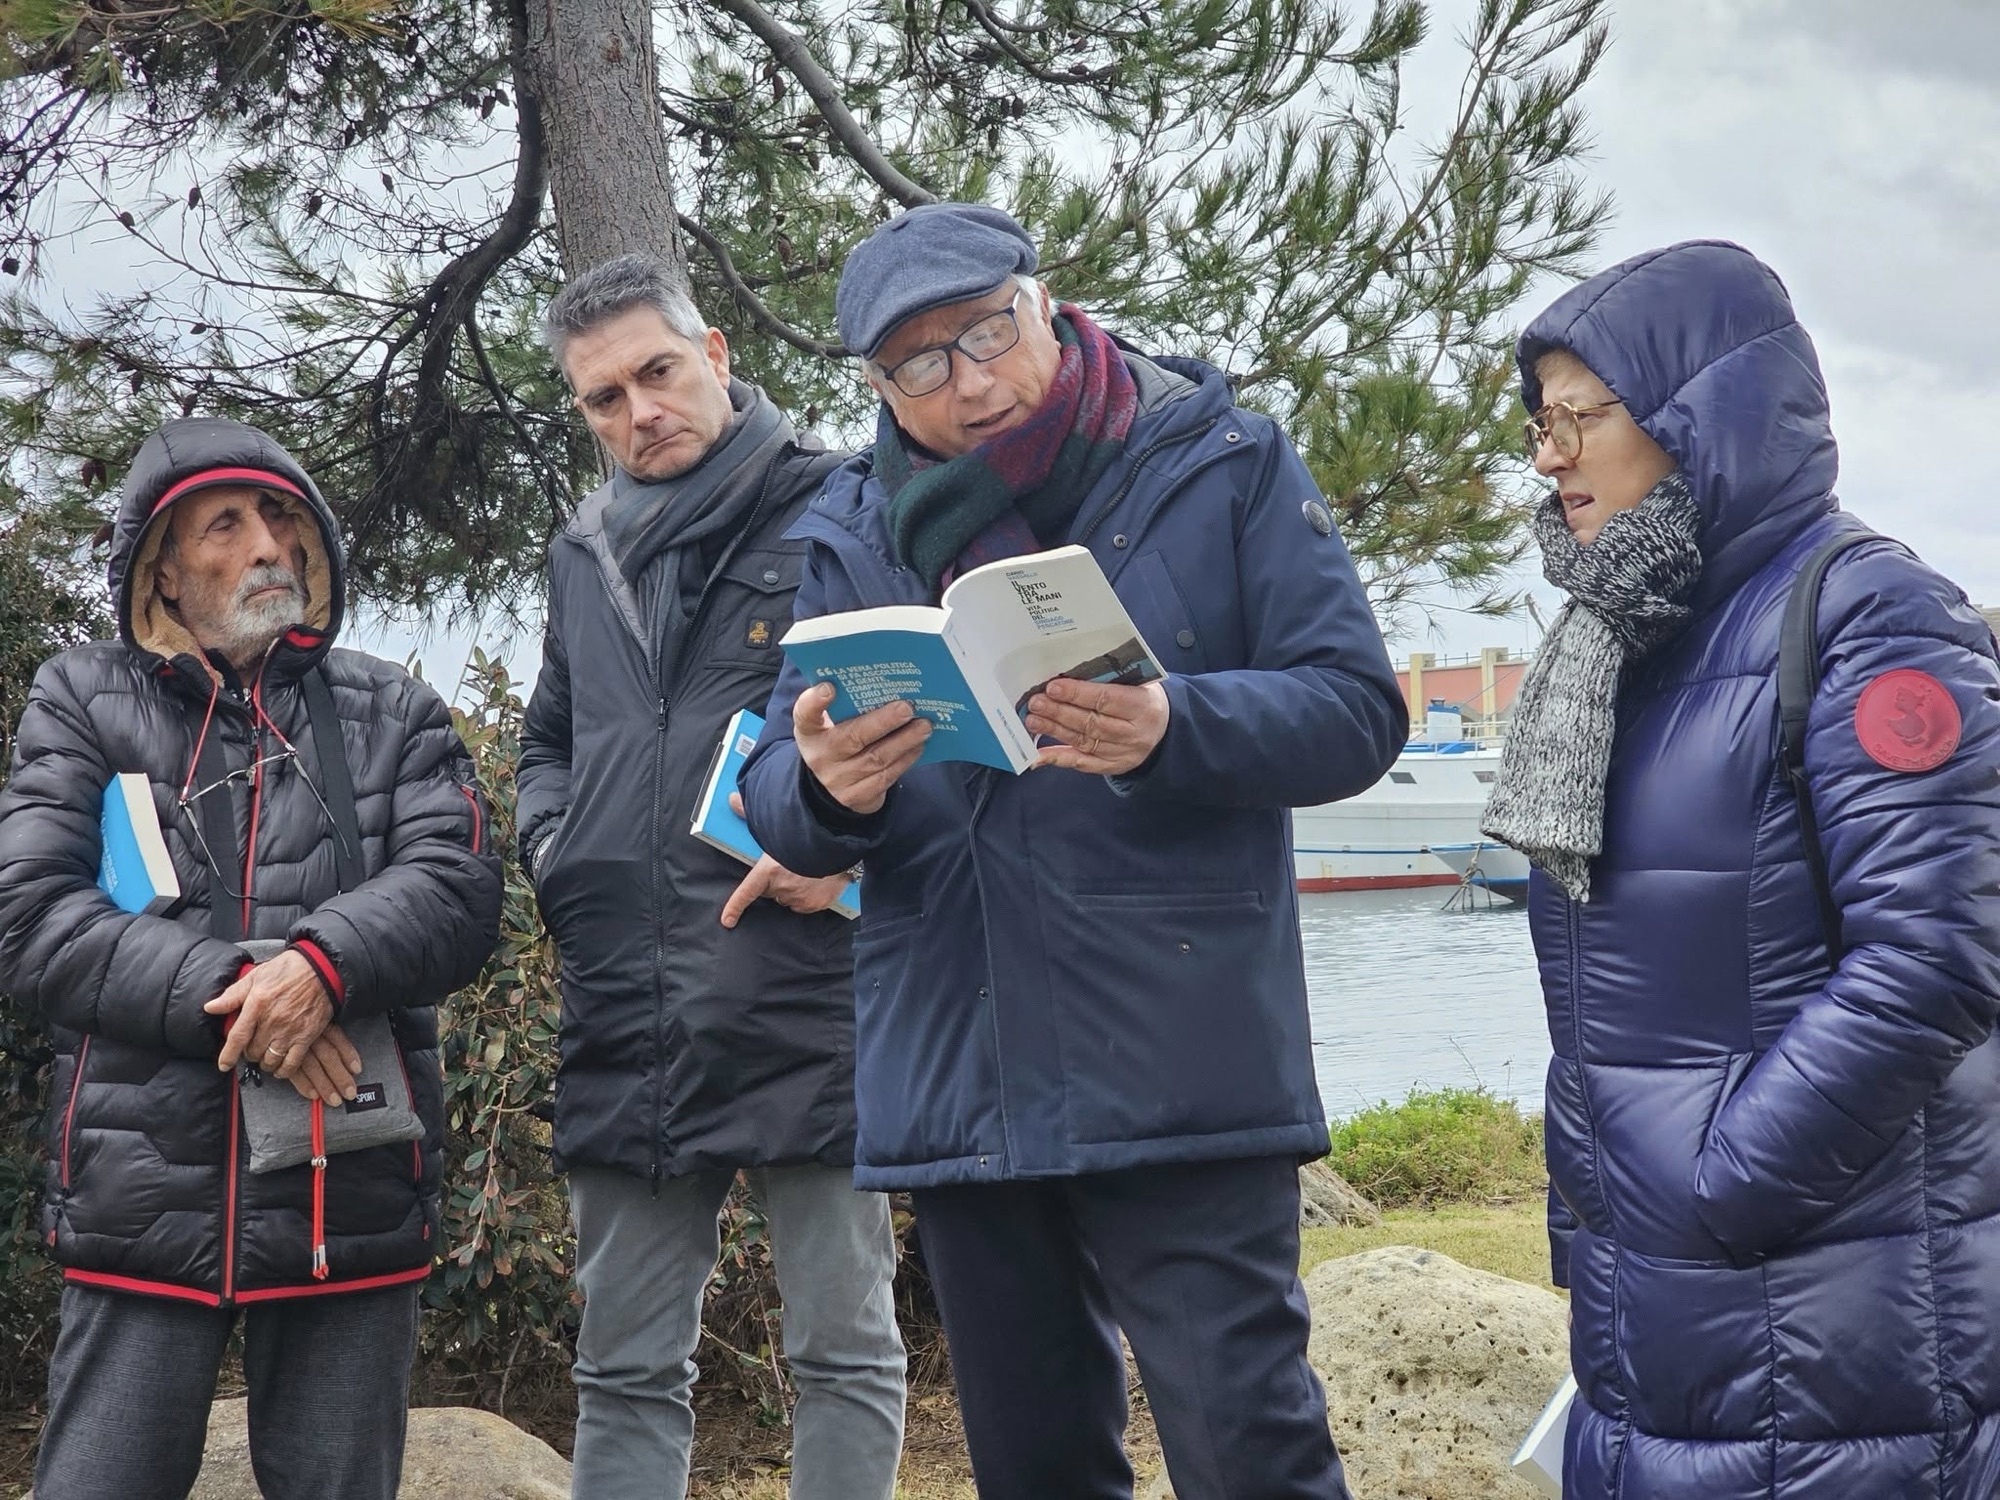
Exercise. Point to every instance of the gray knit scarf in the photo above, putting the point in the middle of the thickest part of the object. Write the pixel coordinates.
(1627, 593)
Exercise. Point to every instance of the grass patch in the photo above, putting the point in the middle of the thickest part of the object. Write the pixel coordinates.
(1442, 1146)
(1511, 1240)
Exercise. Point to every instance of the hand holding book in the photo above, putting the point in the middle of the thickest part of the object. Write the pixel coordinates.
(1103, 728)
(971, 667)
(858, 759)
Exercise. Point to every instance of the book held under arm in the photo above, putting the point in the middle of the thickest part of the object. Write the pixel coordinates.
(134, 869)
(971, 663)
(720, 826)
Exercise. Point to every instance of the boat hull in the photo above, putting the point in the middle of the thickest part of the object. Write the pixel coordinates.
(1384, 838)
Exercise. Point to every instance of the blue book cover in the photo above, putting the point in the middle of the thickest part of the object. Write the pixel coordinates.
(971, 664)
(135, 870)
(719, 825)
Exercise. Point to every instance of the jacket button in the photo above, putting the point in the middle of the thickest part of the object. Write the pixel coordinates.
(982, 992)
(982, 1161)
(1185, 640)
(1187, 947)
(1232, 437)
(1120, 540)
(770, 575)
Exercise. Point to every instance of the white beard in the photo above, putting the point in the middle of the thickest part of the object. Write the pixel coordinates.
(254, 624)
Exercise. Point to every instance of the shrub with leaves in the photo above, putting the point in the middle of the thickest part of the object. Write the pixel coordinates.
(1442, 1146)
(47, 603)
(502, 1294)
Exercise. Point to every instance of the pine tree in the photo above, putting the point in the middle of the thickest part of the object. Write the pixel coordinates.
(351, 211)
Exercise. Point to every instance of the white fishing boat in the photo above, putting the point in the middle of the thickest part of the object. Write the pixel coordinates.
(1417, 826)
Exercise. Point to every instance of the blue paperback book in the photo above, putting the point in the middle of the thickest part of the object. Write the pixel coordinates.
(719, 825)
(971, 663)
(134, 869)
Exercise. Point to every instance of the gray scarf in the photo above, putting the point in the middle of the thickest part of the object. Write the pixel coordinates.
(1627, 593)
(655, 527)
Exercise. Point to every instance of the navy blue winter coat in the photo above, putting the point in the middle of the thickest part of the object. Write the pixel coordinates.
(1776, 1182)
(1059, 973)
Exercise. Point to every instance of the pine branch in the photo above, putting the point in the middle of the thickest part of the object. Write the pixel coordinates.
(792, 54)
(766, 320)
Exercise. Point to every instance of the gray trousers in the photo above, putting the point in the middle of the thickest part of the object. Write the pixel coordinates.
(132, 1378)
(643, 1262)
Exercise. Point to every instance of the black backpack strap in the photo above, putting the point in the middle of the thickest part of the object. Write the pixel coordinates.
(217, 820)
(335, 776)
(1798, 682)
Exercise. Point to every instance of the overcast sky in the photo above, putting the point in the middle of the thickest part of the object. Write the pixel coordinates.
(1855, 147)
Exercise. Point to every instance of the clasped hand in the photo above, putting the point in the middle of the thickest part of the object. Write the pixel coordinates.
(284, 1025)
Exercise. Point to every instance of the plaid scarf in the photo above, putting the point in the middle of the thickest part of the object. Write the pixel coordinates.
(1041, 468)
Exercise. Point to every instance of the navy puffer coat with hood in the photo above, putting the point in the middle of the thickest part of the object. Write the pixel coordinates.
(1776, 1180)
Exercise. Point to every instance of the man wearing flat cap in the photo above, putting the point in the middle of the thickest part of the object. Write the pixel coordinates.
(1081, 1034)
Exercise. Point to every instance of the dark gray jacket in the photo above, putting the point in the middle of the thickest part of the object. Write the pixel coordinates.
(148, 1188)
(685, 1045)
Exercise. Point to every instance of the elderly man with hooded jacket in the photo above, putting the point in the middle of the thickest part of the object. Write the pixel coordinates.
(1081, 1033)
(225, 692)
(1774, 1104)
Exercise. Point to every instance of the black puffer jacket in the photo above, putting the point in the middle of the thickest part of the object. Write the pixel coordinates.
(685, 1046)
(149, 1188)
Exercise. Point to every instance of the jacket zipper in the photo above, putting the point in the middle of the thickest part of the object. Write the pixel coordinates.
(1573, 928)
(229, 1210)
(1138, 467)
(69, 1113)
(668, 695)
(659, 944)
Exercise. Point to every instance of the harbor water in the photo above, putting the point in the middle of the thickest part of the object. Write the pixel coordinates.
(1408, 995)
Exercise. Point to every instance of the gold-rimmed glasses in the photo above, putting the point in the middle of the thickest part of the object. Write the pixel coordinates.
(1560, 423)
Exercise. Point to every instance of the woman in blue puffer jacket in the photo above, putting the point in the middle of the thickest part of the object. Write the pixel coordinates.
(1775, 1172)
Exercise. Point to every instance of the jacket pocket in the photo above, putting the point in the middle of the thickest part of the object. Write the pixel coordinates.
(478, 824)
(751, 609)
(69, 1108)
(1166, 1024)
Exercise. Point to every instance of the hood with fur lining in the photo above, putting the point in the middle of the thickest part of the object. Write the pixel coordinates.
(196, 453)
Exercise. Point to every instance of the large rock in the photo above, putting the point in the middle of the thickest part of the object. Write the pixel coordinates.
(1328, 1199)
(1434, 1371)
(453, 1453)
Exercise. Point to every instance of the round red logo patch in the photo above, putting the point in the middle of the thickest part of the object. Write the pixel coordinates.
(1906, 720)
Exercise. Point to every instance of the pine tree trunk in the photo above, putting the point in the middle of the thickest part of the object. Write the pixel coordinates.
(591, 64)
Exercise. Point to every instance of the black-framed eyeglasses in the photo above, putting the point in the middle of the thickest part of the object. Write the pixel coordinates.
(1560, 423)
(188, 799)
(929, 370)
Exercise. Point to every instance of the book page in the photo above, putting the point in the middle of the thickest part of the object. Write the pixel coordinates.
(1048, 614)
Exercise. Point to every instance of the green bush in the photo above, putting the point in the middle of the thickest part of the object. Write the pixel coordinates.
(1442, 1146)
(47, 603)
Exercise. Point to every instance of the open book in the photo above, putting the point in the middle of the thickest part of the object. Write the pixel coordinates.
(971, 664)
(134, 869)
(720, 826)
(1539, 1460)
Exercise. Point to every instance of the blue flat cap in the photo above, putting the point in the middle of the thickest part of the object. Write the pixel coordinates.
(933, 255)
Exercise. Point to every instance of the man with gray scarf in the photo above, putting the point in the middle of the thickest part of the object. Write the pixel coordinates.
(707, 1014)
